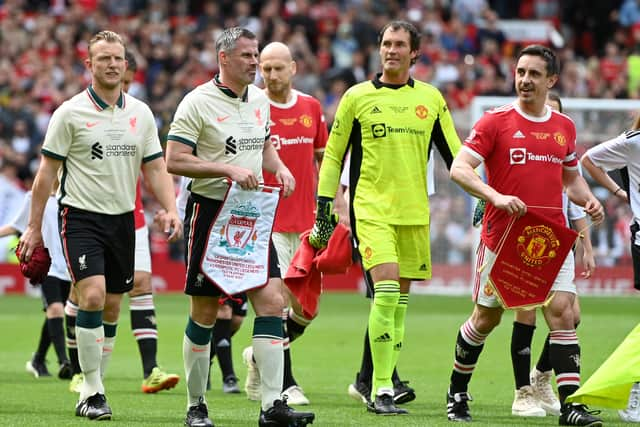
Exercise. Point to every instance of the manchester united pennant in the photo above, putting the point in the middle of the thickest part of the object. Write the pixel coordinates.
(529, 259)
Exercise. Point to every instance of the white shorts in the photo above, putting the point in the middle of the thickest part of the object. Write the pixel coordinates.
(143, 255)
(286, 246)
(483, 293)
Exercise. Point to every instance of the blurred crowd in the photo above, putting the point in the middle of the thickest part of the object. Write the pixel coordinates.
(464, 52)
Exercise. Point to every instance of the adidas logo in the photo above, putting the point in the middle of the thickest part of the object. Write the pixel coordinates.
(223, 343)
(375, 110)
(423, 267)
(383, 338)
(518, 135)
(525, 351)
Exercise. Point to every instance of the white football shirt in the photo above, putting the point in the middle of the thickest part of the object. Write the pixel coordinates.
(101, 148)
(222, 127)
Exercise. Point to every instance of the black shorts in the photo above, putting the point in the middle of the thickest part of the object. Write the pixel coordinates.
(54, 290)
(99, 244)
(355, 256)
(635, 255)
(200, 214)
(237, 302)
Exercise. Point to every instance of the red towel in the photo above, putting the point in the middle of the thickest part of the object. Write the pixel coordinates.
(305, 272)
(38, 266)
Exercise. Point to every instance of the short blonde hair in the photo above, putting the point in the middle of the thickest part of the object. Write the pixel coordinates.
(108, 36)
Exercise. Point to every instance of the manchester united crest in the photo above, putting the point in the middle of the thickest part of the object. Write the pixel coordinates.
(488, 289)
(306, 120)
(537, 245)
(422, 112)
(560, 139)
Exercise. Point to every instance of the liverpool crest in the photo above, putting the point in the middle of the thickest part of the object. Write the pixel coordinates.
(238, 235)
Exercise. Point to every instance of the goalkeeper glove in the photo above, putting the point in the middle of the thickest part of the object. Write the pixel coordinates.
(326, 221)
(478, 212)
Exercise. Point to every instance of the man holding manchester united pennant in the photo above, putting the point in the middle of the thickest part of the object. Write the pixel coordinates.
(529, 154)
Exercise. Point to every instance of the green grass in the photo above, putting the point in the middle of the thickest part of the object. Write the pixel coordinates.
(325, 362)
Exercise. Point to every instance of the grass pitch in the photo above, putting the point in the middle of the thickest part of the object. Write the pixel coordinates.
(325, 361)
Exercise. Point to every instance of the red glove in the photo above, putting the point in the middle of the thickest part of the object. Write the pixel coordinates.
(38, 265)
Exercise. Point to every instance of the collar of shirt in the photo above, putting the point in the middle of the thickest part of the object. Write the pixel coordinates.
(379, 84)
(99, 103)
(227, 91)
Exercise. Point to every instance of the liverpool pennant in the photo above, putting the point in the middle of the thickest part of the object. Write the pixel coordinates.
(237, 255)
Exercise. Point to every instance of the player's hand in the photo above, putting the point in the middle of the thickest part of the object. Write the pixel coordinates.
(30, 239)
(342, 210)
(594, 209)
(512, 205)
(158, 217)
(588, 262)
(326, 221)
(170, 224)
(245, 178)
(286, 179)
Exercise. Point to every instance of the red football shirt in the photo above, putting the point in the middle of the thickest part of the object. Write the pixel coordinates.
(524, 156)
(138, 212)
(297, 130)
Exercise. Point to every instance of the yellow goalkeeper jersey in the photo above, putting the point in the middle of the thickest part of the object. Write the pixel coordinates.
(390, 130)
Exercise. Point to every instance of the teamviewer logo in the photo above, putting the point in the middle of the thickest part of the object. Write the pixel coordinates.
(518, 156)
(96, 151)
(378, 130)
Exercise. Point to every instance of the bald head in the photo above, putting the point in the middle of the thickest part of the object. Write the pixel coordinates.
(277, 68)
(276, 50)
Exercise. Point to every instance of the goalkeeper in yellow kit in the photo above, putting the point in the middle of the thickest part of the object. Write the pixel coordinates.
(389, 123)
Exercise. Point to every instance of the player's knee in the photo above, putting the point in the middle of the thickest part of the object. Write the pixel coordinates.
(204, 310)
(92, 301)
(268, 301)
(236, 323)
(268, 305)
(141, 284)
(224, 312)
(485, 319)
(55, 309)
(527, 317)
(111, 313)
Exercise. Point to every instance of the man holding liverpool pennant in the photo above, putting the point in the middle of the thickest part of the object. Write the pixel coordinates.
(220, 133)
(529, 154)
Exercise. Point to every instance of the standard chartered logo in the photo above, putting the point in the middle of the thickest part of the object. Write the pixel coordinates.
(121, 150)
(98, 151)
(232, 145)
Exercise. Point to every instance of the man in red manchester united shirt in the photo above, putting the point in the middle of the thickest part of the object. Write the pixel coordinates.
(529, 154)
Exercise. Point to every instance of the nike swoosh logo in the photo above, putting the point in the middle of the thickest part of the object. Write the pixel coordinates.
(129, 280)
(222, 119)
(90, 124)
